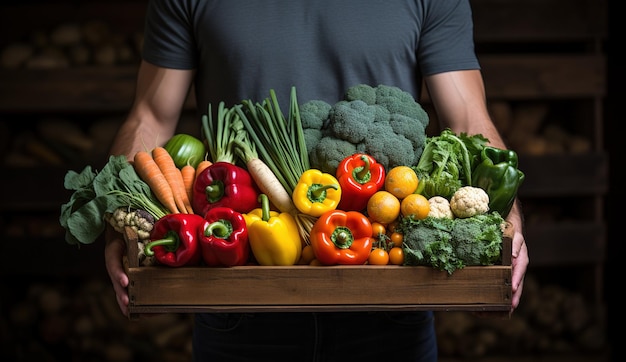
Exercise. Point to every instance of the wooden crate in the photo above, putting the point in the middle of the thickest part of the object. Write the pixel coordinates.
(162, 289)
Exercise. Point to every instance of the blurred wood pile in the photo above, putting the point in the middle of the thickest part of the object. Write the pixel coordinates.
(551, 321)
(59, 141)
(528, 129)
(71, 44)
(58, 322)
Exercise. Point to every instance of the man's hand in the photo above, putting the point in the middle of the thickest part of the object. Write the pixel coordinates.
(519, 259)
(114, 251)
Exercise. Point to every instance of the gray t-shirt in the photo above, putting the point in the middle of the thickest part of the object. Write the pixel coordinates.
(243, 48)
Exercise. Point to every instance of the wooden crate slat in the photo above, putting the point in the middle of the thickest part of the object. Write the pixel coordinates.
(158, 289)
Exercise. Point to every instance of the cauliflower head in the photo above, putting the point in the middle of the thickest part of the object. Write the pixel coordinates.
(469, 201)
(440, 208)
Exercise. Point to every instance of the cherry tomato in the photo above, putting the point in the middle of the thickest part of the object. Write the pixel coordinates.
(307, 255)
(396, 238)
(378, 256)
(396, 256)
(392, 226)
(315, 262)
(378, 229)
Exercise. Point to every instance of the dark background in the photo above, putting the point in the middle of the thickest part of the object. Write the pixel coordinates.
(615, 200)
(615, 141)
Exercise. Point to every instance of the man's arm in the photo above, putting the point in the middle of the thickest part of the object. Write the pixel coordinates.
(159, 99)
(460, 102)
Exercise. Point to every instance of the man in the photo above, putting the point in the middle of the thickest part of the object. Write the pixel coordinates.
(240, 49)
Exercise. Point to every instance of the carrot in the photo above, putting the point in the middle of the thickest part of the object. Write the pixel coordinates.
(149, 171)
(202, 165)
(173, 176)
(189, 175)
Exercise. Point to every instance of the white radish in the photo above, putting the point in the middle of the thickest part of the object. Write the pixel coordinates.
(269, 184)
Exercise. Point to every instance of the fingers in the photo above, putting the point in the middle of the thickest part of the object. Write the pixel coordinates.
(519, 265)
(113, 254)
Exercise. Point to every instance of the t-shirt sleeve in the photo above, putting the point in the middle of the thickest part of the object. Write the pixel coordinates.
(168, 35)
(447, 38)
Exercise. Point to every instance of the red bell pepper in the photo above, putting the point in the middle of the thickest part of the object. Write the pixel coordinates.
(227, 185)
(359, 176)
(224, 238)
(174, 240)
(342, 238)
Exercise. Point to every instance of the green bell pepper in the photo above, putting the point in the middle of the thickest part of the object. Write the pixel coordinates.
(498, 175)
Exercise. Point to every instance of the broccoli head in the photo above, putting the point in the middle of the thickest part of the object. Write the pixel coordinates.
(329, 152)
(362, 92)
(478, 240)
(450, 244)
(314, 114)
(428, 242)
(411, 130)
(383, 121)
(398, 101)
(312, 137)
(351, 121)
(385, 140)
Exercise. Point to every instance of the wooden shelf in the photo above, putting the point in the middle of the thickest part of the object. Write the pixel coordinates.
(539, 21)
(93, 89)
(560, 175)
(88, 89)
(566, 243)
(545, 76)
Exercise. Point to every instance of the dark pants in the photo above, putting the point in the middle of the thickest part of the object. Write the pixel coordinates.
(315, 337)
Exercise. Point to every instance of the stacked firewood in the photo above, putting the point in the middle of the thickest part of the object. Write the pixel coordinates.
(534, 129)
(550, 321)
(72, 44)
(53, 321)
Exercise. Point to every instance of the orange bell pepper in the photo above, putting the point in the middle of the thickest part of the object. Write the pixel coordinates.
(342, 238)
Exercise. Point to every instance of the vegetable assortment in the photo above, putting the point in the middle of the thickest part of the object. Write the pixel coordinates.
(262, 187)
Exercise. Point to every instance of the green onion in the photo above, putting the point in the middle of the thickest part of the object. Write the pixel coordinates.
(279, 141)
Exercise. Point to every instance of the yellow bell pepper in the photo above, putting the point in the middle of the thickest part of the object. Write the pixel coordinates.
(316, 193)
(273, 237)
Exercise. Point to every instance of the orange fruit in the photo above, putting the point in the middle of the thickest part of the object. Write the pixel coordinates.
(415, 205)
(401, 181)
(383, 207)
